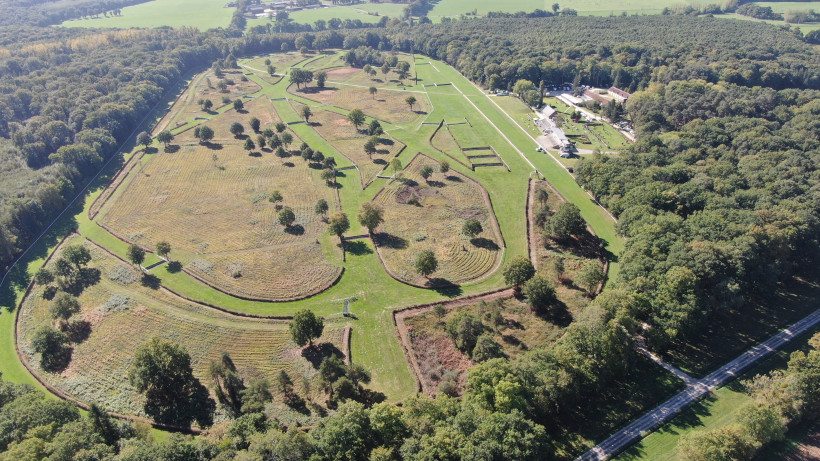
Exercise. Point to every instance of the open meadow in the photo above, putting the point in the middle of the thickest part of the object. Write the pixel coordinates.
(350, 141)
(211, 202)
(202, 14)
(122, 308)
(442, 202)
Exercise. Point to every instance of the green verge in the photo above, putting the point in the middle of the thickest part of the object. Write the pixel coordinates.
(717, 410)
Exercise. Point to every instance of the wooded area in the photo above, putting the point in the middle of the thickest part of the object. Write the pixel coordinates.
(718, 201)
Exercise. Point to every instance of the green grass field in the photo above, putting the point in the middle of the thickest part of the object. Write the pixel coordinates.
(203, 14)
(782, 7)
(805, 28)
(456, 8)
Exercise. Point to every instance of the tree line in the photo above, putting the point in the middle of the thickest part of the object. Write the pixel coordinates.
(57, 128)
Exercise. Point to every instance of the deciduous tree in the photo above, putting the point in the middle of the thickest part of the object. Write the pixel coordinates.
(518, 271)
(136, 254)
(426, 263)
(356, 117)
(370, 216)
(305, 327)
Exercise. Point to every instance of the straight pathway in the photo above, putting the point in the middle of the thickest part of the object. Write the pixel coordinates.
(667, 410)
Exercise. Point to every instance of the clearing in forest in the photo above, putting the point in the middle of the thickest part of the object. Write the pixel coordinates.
(429, 214)
(350, 142)
(562, 261)
(211, 203)
(512, 327)
(121, 309)
(385, 104)
(190, 108)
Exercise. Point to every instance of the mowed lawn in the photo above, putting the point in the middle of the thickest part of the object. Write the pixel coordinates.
(202, 14)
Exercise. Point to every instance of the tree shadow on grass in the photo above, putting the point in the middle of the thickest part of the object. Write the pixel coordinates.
(172, 148)
(151, 281)
(295, 229)
(197, 406)
(85, 277)
(445, 287)
(380, 161)
(558, 315)
(358, 248)
(485, 243)
(213, 145)
(255, 154)
(432, 183)
(453, 178)
(389, 241)
(288, 164)
(316, 354)
(78, 331)
(173, 267)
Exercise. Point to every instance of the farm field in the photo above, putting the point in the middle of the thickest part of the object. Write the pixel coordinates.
(443, 203)
(805, 27)
(457, 8)
(202, 14)
(211, 204)
(123, 310)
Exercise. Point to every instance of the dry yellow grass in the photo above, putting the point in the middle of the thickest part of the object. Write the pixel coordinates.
(349, 142)
(124, 314)
(444, 203)
(387, 105)
(204, 86)
(211, 204)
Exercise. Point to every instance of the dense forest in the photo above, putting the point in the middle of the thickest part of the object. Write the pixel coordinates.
(68, 99)
(719, 201)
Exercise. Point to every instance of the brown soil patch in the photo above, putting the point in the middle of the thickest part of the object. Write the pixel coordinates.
(343, 72)
(808, 450)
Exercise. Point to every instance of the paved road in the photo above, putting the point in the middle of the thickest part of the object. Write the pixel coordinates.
(667, 410)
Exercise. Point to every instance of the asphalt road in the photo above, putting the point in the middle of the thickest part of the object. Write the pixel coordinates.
(667, 410)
